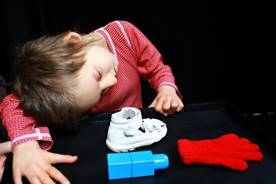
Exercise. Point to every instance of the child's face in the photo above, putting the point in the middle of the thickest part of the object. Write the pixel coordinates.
(96, 76)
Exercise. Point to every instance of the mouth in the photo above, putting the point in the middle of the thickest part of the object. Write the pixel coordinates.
(104, 91)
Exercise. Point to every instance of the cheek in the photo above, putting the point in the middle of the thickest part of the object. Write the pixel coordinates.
(89, 101)
(90, 94)
(95, 94)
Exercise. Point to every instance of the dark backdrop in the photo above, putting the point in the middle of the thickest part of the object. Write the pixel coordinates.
(215, 50)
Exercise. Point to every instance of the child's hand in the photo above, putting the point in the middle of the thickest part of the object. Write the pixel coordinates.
(4, 149)
(167, 101)
(35, 164)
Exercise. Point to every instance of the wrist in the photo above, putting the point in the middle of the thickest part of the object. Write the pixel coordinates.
(166, 88)
(26, 146)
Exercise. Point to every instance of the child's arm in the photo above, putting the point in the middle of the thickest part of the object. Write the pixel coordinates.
(21, 128)
(38, 163)
(152, 68)
(27, 153)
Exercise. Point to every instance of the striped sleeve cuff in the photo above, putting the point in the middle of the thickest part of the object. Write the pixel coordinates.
(44, 139)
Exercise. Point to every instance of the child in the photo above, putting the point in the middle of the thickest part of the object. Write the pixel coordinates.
(59, 78)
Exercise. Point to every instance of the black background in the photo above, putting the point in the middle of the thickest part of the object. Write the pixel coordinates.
(217, 51)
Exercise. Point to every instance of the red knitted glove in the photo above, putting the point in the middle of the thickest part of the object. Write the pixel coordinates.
(229, 151)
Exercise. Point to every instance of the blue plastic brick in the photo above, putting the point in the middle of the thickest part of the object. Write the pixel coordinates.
(142, 163)
(135, 164)
(119, 165)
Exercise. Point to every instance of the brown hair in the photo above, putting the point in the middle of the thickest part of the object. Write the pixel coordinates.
(43, 80)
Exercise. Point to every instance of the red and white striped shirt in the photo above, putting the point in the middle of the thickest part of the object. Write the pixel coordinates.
(137, 57)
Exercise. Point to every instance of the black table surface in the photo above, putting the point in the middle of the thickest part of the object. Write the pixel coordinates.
(196, 121)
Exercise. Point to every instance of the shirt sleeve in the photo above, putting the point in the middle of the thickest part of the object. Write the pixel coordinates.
(21, 128)
(150, 61)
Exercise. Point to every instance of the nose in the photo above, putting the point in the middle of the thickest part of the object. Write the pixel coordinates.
(112, 81)
(109, 81)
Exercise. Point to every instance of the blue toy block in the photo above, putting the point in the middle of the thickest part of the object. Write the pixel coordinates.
(142, 163)
(119, 165)
(135, 164)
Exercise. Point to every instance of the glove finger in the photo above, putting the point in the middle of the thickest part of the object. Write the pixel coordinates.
(249, 147)
(243, 145)
(229, 136)
(235, 164)
(234, 142)
(248, 155)
(244, 140)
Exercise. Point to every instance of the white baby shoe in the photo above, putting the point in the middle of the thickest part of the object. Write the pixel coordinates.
(127, 130)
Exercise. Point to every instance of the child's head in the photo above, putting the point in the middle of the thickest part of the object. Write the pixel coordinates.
(58, 78)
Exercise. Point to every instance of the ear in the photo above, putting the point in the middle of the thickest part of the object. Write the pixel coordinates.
(72, 36)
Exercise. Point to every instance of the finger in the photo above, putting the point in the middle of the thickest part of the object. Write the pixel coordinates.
(158, 106)
(166, 105)
(58, 158)
(180, 106)
(174, 104)
(58, 176)
(2, 165)
(34, 180)
(2, 161)
(5, 147)
(152, 103)
(44, 177)
(17, 177)
(33, 176)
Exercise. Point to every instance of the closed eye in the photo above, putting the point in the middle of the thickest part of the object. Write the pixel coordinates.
(98, 75)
